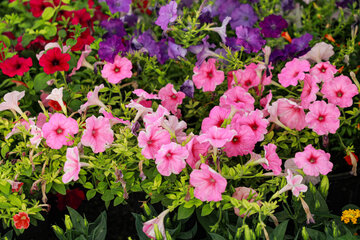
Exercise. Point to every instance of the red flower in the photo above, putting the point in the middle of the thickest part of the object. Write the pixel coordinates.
(54, 60)
(55, 105)
(348, 158)
(2, 51)
(37, 7)
(73, 199)
(81, 17)
(84, 39)
(16, 66)
(21, 220)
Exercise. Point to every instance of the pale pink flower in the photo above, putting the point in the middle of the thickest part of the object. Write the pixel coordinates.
(93, 99)
(207, 76)
(113, 120)
(143, 94)
(176, 127)
(323, 71)
(242, 143)
(244, 193)
(222, 30)
(57, 96)
(170, 99)
(117, 71)
(141, 109)
(208, 184)
(149, 226)
(98, 134)
(22, 123)
(156, 119)
(195, 148)
(171, 159)
(310, 89)
(72, 165)
(323, 118)
(340, 91)
(319, 52)
(313, 161)
(256, 121)
(152, 140)
(58, 129)
(216, 118)
(82, 61)
(294, 184)
(272, 158)
(239, 98)
(41, 120)
(11, 101)
(293, 71)
(217, 137)
(290, 164)
(37, 135)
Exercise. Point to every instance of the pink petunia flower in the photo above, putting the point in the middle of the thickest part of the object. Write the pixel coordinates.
(216, 118)
(255, 121)
(117, 71)
(171, 159)
(143, 94)
(239, 98)
(149, 226)
(141, 109)
(113, 120)
(249, 77)
(93, 99)
(98, 134)
(244, 193)
(152, 140)
(58, 129)
(208, 184)
(265, 103)
(294, 184)
(313, 161)
(72, 165)
(242, 143)
(82, 61)
(323, 71)
(207, 76)
(157, 118)
(22, 123)
(170, 99)
(195, 149)
(310, 89)
(217, 137)
(272, 158)
(37, 135)
(41, 120)
(11, 101)
(323, 118)
(293, 71)
(340, 91)
(176, 127)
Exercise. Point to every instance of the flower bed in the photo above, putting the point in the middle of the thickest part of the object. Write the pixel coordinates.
(217, 119)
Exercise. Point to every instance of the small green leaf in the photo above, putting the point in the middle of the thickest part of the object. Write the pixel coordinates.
(184, 213)
(90, 194)
(48, 13)
(206, 210)
(60, 188)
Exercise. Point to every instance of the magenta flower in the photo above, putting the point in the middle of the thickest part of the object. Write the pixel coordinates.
(313, 161)
(167, 14)
(171, 159)
(323, 118)
(244, 193)
(58, 129)
(93, 99)
(255, 121)
(242, 143)
(195, 149)
(156, 118)
(11, 101)
(208, 184)
(340, 91)
(117, 71)
(207, 76)
(239, 98)
(310, 89)
(98, 134)
(149, 226)
(170, 99)
(152, 140)
(323, 71)
(273, 159)
(72, 165)
(217, 137)
(293, 71)
(216, 118)
(294, 184)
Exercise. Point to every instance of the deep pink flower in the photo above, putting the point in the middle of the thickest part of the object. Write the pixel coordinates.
(255, 121)
(171, 159)
(323, 118)
(242, 143)
(152, 140)
(249, 77)
(156, 118)
(207, 76)
(293, 71)
(216, 118)
(294, 184)
(117, 71)
(170, 99)
(208, 184)
(149, 226)
(273, 159)
(195, 148)
(340, 91)
(217, 137)
(98, 134)
(310, 89)
(72, 165)
(313, 161)
(239, 98)
(58, 129)
(244, 193)
(323, 71)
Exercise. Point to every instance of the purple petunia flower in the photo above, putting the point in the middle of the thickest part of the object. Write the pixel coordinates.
(162, 55)
(243, 15)
(272, 26)
(344, 3)
(202, 51)
(249, 38)
(149, 43)
(298, 46)
(167, 14)
(114, 27)
(287, 5)
(110, 48)
(188, 88)
(205, 16)
(175, 50)
(131, 20)
(118, 5)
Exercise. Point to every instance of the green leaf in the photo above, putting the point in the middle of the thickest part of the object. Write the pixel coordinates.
(77, 220)
(40, 81)
(60, 188)
(108, 196)
(4, 150)
(97, 229)
(279, 231)
(27, 38)
(206, 210)
(88, 185)
(215, 236)
(48, 13)
(90, 194)
(184, 213)
(189, 234)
